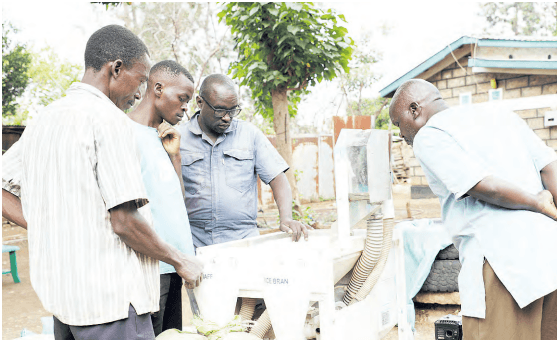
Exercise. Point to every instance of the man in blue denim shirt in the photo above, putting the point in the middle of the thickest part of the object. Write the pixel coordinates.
(221, 158)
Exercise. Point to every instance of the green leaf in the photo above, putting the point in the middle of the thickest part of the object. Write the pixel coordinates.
(253, 10)
(301, 43)
(293, 29)
(294, 5)
(244, 18)
(273, 11)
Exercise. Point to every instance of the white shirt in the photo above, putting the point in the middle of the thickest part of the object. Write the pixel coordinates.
(459, 147)
(75, 161)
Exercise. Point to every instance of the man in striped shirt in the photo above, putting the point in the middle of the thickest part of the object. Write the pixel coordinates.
(74, 181)
(169, 89)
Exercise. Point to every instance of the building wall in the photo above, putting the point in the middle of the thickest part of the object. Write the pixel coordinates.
(453, 80)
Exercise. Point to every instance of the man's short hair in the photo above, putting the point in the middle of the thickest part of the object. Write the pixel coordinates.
(170, 68)
(113, 42)
(213, 80)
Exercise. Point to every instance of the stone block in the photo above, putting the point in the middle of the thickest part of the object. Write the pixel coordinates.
(549, 89)
(552, 143)
(453, 101)
(483, 87)
(541, 112)
(480, 78)
(516, 82)
(446, 74)
(480, 98)
(436, 77)
(531, 113)
(553, 132)
(511, 94)
(413, 162)
(456, 82)
(503, 76)
(459, 72)
(543, 133)
(539, 79)
(535, 123)
(446, 93)
(458, 90)
(418, 171)
(441, 84)
(531, 91)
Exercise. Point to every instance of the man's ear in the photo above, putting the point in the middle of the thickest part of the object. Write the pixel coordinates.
(116, 68)
(158, 88)
(415, 110)
(199, 100)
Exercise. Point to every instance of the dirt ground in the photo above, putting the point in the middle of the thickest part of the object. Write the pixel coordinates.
(21, 307)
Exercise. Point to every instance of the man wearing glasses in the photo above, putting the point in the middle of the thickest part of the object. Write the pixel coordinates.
(221, 158)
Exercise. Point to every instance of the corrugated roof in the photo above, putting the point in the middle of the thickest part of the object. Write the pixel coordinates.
(514, 42)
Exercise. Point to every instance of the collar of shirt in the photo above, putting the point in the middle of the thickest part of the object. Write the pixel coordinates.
(78, 86)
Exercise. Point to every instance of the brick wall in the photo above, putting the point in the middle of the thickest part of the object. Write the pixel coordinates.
(453, 80)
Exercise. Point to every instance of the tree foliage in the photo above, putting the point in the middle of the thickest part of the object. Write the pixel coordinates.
(16, 60)
(521, 18)
(51, 76)
(289, 45)
(361, 75)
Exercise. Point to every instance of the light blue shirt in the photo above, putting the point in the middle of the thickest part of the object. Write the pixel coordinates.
(170, 218)
(220, 179)
(459, 147)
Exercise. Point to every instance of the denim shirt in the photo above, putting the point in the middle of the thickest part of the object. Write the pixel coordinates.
(459, 147)
(220, 179)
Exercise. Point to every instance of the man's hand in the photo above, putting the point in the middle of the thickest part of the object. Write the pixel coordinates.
(191, 270)
(296, 228)
(170, 138)
(546, 205)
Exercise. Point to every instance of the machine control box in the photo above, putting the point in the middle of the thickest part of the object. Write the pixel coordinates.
(448, 327)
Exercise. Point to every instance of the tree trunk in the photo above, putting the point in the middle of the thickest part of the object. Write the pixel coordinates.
(281, 123)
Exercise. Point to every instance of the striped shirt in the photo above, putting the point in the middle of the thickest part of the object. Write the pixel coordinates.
(76, 160)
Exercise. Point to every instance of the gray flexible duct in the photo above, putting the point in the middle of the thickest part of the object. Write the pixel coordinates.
(248, 308)
(388, 226)
(263, 325)
(368, 259)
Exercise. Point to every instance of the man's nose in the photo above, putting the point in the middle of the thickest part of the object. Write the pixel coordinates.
(226, 117)
(138, 95)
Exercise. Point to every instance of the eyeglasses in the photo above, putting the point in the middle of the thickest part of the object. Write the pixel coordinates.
(223, 112)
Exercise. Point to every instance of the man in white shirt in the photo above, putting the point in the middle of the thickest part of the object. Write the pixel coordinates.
(496, 181)
(74, 181)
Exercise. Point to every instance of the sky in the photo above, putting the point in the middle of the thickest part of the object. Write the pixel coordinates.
(415, 31)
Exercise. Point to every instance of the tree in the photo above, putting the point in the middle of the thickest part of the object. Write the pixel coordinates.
(521, 18)
(361, 75)
(15, 65)
(282, 49)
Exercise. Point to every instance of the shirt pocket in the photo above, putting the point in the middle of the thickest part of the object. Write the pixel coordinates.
(239, 169)
(193, 171)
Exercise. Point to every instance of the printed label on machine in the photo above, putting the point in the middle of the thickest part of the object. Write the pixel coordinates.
(276, 281)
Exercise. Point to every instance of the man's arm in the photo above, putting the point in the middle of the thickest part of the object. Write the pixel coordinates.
(170, 138)
(283, 198)
(134, 231)
(12, 210)
(549, 179)
(507, 195)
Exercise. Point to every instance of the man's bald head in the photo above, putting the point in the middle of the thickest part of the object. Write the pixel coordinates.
(414, 102)
(216, 85)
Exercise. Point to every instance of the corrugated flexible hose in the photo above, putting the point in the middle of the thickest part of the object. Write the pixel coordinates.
(248, 308)
(263, 325)
(388, 226)
(368, 259)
